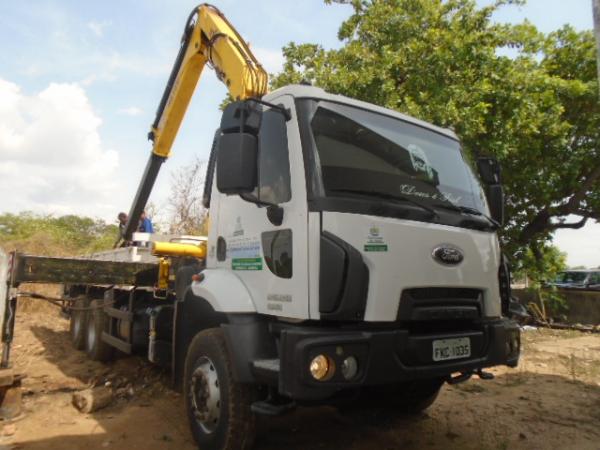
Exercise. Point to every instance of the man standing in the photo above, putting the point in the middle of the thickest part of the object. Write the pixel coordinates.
(122, 218)
(145, 224)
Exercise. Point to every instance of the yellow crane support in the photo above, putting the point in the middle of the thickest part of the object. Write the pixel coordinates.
(210, 39)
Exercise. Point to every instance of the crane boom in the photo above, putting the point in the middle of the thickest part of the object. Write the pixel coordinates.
(210, 39)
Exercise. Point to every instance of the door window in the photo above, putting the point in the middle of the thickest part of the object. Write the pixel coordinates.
(277, 248)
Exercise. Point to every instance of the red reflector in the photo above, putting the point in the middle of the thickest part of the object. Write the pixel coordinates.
(198, 277)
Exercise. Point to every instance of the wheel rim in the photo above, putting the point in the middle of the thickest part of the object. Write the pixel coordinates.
(91, 335)
(205, 395)
(76, 318)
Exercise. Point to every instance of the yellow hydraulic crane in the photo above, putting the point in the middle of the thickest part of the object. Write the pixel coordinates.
(210, 39)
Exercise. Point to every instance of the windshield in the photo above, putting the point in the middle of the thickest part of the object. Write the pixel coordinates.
(359, 151)
(571, 277)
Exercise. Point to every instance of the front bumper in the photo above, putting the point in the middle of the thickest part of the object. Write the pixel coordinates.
(387, 356)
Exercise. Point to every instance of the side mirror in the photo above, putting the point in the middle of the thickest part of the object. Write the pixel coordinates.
(490, 173)
(489, 170)
(495, 196)
(237, 163)
(237, 148)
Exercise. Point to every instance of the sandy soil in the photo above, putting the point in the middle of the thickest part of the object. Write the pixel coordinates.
(551, 401)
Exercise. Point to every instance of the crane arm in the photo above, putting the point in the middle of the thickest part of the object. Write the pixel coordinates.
(210, 39)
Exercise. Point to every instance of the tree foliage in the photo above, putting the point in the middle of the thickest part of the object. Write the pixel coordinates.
(543, 266)
(528, 98)
(187, 215)
(55, 236)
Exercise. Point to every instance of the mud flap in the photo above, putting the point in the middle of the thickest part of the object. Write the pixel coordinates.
(10, 384)
(10, 394)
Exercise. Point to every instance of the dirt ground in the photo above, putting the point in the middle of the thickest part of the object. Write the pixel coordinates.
(551, 401)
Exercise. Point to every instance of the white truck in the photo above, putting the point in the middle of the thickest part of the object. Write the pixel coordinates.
(352, 255)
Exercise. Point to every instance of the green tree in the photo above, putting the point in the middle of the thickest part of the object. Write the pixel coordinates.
(541, 269)
(446, 62)
(55, 236)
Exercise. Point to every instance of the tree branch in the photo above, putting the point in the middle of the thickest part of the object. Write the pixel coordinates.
(586, 185)
(573, 225)
(542, 221)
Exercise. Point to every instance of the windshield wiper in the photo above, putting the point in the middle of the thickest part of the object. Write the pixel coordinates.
(472, 211)
(385, 196)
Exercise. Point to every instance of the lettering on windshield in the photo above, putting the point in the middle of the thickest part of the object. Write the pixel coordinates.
(409, 189)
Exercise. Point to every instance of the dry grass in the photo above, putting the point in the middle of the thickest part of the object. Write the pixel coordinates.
(30, 305)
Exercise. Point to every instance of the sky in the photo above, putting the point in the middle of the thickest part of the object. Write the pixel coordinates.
(80, 82)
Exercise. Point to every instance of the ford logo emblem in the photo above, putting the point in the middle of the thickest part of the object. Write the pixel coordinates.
(448, 255)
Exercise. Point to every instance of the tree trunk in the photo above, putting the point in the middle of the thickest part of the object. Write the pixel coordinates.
(91, 400)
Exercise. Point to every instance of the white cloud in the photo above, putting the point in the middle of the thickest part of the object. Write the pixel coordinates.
(98, 27)
(52, 159)
(108, 66)
(582, 246)
(272, 60)
(131, 111)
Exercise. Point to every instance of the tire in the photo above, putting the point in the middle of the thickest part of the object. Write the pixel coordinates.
(416, 396)
(411, 397)
(78, 323)
(408, 398)
(97, 349)
(218, 408)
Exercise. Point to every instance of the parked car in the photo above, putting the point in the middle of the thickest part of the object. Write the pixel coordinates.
(578, 279)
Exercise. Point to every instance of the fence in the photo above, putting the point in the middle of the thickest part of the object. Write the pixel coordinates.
(583, 306)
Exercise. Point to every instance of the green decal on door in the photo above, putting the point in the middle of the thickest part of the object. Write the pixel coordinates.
(375, 241)
(246, 263)
(376, 248)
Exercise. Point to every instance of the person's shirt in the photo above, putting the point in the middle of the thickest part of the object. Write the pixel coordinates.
(146, 226)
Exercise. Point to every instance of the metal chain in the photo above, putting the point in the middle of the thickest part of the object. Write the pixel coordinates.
(60, 301)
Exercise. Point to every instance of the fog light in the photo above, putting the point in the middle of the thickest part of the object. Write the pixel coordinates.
(321, 368)
(349, 367)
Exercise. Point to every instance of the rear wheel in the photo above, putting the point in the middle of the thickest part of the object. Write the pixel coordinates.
(96, 348)
(78, 323)
(218, 407)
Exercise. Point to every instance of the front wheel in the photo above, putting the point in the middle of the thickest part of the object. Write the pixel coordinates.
(218, 407)
(411, 397)
(416, 396)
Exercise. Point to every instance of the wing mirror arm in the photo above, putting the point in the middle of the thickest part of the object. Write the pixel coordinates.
(274, 211)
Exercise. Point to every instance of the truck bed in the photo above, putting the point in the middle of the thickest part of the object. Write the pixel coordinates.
(43, 269)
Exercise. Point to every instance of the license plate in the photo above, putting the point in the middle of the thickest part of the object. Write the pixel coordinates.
(444, 349)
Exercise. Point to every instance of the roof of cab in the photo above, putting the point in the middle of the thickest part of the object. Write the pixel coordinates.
(305, 91)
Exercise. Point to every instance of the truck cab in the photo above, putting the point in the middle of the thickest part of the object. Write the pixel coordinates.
(352, 258)
(357, 245)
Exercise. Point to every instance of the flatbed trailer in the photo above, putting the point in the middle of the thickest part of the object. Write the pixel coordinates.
(83, 280)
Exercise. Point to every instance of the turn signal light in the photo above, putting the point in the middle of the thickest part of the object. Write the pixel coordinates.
(322, 368)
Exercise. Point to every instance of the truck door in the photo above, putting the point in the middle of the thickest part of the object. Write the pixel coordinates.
(270, 259)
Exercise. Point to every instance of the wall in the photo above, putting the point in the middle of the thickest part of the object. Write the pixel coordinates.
(584, 306)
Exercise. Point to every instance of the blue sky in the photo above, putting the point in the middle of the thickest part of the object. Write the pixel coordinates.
(80, 82)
